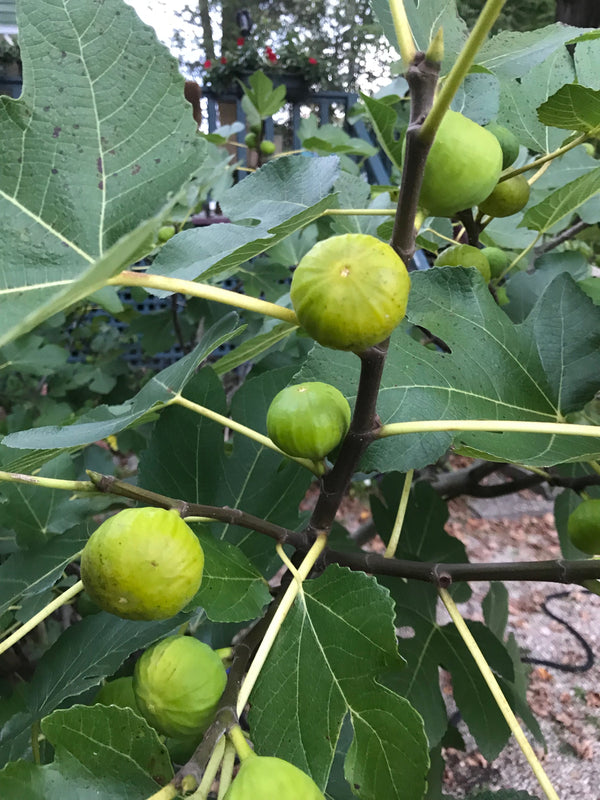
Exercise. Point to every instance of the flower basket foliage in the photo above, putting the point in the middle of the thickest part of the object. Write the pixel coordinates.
(289, 65)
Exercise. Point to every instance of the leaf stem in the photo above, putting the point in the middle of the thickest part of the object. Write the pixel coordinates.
(48, 483)
(359, 212)
(168, 792)
(238, 740)
(543, 159)
(488, 16)
(226, 770)
(487, 425)
(390, 551)
(499, 697)
(287, 601)
(178, 399)
(41, 616)
(164, 283)
(35, 742)
(404, 33)
(210, 772)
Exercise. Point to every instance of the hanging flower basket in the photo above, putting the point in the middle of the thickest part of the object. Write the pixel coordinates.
(296, 70)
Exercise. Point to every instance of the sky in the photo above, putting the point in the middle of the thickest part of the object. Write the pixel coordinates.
(160, 14)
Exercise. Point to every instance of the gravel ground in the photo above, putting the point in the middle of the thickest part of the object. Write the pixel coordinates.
(566, 704)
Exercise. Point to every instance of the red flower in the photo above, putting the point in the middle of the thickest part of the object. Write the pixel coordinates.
(312, 60)
(223, 60)
(272, 57)
(240, 41)
(207, 64)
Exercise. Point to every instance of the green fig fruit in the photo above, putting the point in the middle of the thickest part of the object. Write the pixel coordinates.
(464, 255)
(497, 259)
(350, 291)
(142, 563)
(267, 148)
(508, 197)
(308, 420)
(270, 778)
(583, 527)
(165, 233)
(178, 683)
(251, 140)
(462, 168)
(508, 142)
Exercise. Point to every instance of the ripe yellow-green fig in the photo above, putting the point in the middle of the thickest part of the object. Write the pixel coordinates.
(308, 420)
(583, 527)
(270, 778)
(464, 255)
(462, 167)
(350, 291)
(508, 197)
(142, 563)
(178, 683)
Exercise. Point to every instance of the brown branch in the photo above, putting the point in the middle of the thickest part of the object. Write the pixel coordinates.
(362, 430)
(567, 234)
(232, 516)
(422, 77)
(466, 481)
(444, 574)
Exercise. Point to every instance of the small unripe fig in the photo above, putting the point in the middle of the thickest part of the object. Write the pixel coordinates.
(178, 683)
(497, 259)
(462, 167)
(142, 563)
(250, 140)
(508, 197)
(589, 149)
(269, 778)
(583, 527)
(165, 233)
(118, 693)
(267, 148)
(464, 255)
(308, 420)
(350, 291)
(508, 142)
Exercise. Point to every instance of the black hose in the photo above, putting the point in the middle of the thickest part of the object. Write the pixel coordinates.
(589, 655)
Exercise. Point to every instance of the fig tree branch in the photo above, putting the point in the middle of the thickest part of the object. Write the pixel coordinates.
(231, 516)
(568, 233)
(437, 573)
(443, 575)
(422, 77)
(362, 431)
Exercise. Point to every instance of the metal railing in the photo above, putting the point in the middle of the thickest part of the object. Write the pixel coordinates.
(327, 105)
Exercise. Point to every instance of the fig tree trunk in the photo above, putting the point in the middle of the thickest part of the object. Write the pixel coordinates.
(582, 13)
